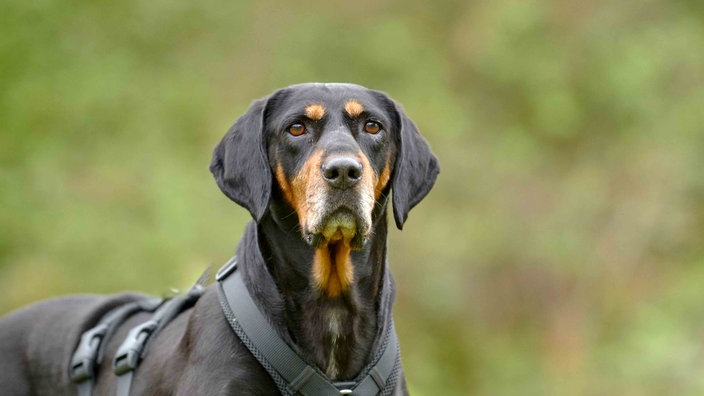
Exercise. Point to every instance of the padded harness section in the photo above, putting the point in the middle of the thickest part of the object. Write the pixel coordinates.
(89, 353)
(289, 371)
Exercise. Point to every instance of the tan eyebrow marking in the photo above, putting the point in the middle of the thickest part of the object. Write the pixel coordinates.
(315, 111)
(353, 108)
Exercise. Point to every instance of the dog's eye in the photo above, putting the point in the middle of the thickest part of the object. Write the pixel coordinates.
(297, 129)
(372, 127)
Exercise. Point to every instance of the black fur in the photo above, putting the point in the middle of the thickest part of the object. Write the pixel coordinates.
(239, 161)
(198, 353)
(416, 169)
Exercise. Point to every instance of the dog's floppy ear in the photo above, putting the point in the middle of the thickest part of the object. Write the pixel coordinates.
(415, 171)
(240, 165)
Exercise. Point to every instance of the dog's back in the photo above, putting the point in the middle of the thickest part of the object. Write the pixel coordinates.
(35, 342)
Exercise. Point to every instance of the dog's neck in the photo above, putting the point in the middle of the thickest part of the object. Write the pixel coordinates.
(336, 333)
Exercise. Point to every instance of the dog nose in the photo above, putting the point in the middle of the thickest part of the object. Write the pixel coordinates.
(342, 172)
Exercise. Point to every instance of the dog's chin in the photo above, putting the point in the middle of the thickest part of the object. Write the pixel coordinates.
(340, 226)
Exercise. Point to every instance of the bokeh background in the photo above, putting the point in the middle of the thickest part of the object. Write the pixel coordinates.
(560, 252)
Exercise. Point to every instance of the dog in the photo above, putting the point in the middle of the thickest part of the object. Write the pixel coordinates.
(315, 164)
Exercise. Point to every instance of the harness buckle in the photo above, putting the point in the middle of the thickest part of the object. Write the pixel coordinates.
(130, 351)
(226, 269)
(345, 387)
(84, 360)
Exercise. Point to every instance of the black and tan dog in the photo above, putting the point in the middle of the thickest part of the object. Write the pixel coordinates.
(314, 164)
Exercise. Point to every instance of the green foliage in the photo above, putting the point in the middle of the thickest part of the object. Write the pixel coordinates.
(560, 252)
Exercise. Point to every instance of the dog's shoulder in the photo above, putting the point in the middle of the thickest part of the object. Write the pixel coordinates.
(200, 354)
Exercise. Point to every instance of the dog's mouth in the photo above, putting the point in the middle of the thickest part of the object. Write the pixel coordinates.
(335, 222)
(333, 240)
(340, 226)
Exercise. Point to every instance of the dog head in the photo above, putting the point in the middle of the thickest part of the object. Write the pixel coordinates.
(333, 151)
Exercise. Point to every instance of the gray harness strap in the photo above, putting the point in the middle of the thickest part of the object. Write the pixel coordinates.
(134, 347)
(89, 353)
(289, 371)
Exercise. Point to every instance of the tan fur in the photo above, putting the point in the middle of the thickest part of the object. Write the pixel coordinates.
(353, 108)
(295, 192)
(332, 270)
(284, 185)
(383, 179)
(371, 182)
(315, 112)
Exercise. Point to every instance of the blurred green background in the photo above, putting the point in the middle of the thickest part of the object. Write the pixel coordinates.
(560, 252)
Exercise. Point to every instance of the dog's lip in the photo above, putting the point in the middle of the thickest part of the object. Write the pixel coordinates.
(316, 240)
(342, 224)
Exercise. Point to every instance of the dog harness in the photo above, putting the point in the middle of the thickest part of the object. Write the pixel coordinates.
(292, 375)
(89, 353)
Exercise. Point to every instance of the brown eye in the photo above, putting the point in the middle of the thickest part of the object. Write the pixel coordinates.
(372, 127)
(297, 129)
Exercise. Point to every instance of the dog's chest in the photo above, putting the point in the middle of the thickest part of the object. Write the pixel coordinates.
(334, 319)
(330, 333)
